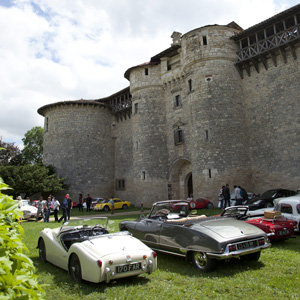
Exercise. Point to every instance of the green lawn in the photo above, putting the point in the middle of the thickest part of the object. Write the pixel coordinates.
(275, 276)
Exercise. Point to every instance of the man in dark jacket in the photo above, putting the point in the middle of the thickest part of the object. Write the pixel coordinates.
(64, 206)
(226, 195)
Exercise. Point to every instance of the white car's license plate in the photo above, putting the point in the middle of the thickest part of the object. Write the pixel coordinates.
(128, 268)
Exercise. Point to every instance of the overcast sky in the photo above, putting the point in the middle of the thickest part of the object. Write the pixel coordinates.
(55, 50)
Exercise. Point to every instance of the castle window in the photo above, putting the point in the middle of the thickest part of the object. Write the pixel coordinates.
(204, 40)
(143, 175)
(209, 173)
(206, 135)
(120, 184)
(146, 71)
(177, 101)
(190, 83)
(136, 108)
(178, 136)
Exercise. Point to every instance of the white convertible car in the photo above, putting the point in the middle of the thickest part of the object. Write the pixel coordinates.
(28, 210)
(89, 252)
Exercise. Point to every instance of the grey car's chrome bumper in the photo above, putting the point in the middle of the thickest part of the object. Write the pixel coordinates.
(227, 254)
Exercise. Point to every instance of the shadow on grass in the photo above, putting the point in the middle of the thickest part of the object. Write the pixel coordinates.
(225, 268)
(59, 277)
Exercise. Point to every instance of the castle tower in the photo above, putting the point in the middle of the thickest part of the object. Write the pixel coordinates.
(149, 133)
(78, 143)
(218, 129)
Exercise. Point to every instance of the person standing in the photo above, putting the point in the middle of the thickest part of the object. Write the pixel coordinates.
(40, 211)
(112, 205)
(226, 195)
(70, 206)
(237, 195)
(55, 206)
(244, 195)
(221, 198)
(80, 202)
(64, 206)
(47, 210)
(88, 202)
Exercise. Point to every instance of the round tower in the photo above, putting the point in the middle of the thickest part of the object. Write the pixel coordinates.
(149, 134)
(78, 143)
(219, 151)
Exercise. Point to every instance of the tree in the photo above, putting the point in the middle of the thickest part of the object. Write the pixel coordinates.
(33, 146)
(10, 154)
(31, 179)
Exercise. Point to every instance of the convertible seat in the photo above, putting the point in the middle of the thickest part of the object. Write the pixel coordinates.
(183, 220)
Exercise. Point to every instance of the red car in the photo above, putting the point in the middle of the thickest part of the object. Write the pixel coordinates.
(200, 203)
(276, 226)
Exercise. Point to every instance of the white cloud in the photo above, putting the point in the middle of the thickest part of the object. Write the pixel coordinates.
(53, 50)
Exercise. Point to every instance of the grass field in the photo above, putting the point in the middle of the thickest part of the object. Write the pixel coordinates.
(275, 276)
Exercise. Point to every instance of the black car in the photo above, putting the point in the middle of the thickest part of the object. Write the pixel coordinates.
(266, 199)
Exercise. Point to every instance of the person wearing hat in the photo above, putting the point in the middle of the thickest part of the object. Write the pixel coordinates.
(70, 206)
(64, 206)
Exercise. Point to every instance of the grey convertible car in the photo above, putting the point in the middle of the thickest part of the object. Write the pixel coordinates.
(202, 240)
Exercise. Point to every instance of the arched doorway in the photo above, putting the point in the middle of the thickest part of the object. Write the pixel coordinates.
(180, 184)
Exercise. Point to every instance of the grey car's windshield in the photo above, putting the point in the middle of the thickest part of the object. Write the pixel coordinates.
(269, 194)
(175, 209)
(84, 223)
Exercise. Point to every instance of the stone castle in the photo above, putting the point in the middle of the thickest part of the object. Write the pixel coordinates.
(221, 105)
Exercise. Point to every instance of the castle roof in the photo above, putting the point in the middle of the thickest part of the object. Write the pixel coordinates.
(42, 109)
(293, 10)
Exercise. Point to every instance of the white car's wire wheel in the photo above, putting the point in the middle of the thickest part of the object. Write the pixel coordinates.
(75, 268)
(192, 205)
(42, 250)
(202, 262)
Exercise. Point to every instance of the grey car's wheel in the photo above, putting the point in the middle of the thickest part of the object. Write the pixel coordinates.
(209, 205)
(268, 204)
(251, 257)
(75, 268)
(106, 208)
(42, 250)
(202, 262)
(125, 206)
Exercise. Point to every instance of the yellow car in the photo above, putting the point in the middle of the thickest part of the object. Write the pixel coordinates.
(119, 204)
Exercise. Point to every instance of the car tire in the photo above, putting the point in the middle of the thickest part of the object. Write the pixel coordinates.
(251, 257)
(202, 262)
(209, 205)
(75, 268)
(106, 208)
(125, 206)
(42, 250)
(268, 204)
(192, 205)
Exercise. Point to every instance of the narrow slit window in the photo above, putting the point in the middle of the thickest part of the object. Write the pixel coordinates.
(204, 40)
(178, 136)
(206, 135)
(146, 71)
(209, 173)
(177, 101)
(136, 108)
(144, 175)
(190, 82)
